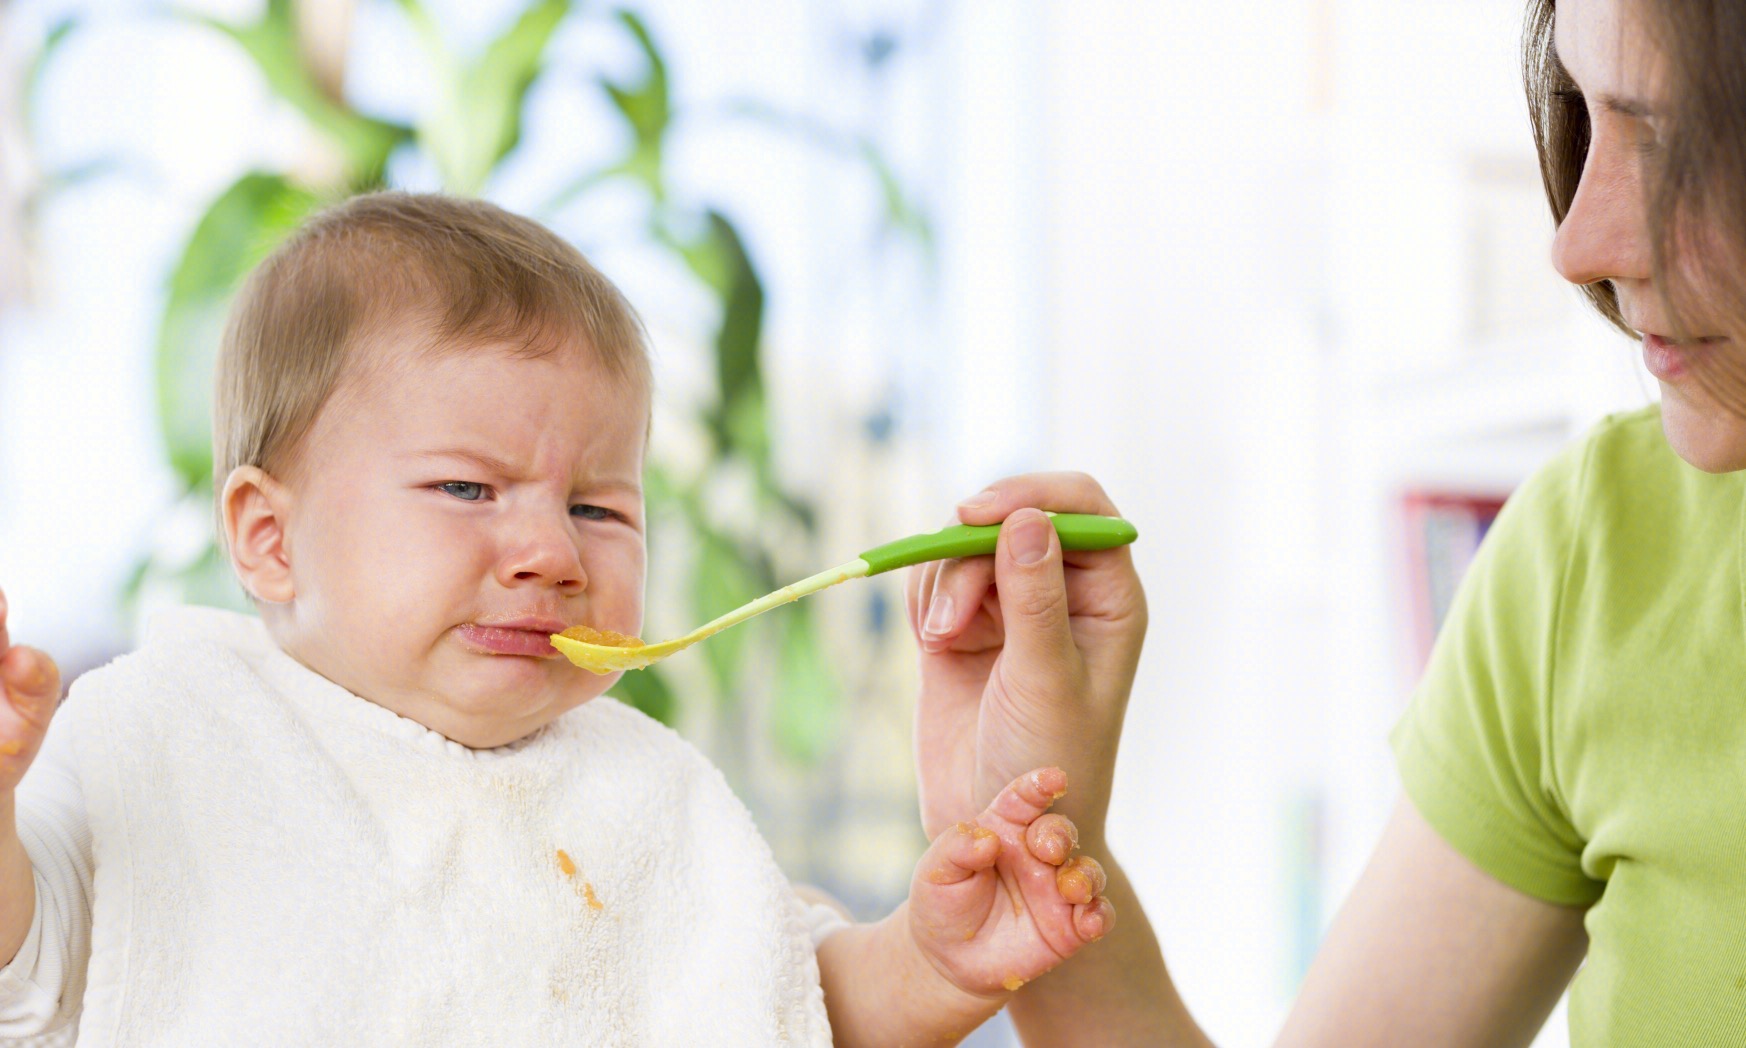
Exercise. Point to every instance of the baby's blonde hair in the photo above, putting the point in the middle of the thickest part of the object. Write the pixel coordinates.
(459, 273)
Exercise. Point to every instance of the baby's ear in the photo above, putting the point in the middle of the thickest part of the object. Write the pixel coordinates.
(253, 507)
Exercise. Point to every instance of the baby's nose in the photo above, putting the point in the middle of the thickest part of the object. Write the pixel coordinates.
(550, 559)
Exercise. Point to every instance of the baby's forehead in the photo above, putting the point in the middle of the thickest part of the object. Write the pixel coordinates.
(403, 389)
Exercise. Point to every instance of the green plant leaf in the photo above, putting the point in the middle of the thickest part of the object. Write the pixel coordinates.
(563, 198)
(33, 76)
(430, 35)
(901, 211)
(364, 141)
(741, 425)
(477, 119)
(240, 227)
(647, 690)
(701, 253)
(806, 706)
(723, 579)
(647, 105)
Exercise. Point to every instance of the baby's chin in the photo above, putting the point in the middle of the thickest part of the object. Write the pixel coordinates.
(504, 698)
(483, 701)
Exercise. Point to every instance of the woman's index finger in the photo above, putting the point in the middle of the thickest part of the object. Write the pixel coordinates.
(1065, 492)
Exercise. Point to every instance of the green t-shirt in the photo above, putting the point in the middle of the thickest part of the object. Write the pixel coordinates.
(1580, 733)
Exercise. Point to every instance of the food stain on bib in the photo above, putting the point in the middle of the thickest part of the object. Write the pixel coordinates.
(585, 888)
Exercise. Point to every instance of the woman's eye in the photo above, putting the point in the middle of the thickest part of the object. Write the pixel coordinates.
(465, 490)
(593, 512)
(1649, 139)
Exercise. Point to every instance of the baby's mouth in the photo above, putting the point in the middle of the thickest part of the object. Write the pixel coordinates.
(516, 639)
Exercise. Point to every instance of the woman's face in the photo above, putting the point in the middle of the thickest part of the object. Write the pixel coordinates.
(1606, 235)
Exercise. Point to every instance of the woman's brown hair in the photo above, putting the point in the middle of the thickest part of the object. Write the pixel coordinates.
(1695, 180)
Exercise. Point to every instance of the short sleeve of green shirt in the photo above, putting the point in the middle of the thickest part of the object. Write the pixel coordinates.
(1473, 748)
(1580, 733)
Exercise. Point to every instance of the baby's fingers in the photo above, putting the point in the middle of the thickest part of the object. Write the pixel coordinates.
(959, 853)
(1027, 797)
(1093, 920)
(1081, 880)
(1052, 838)
(32, 685)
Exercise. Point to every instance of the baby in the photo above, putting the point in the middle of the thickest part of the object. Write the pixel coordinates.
(386, 811)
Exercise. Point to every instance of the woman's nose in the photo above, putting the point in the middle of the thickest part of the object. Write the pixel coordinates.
(1605, 234)
(544, 554)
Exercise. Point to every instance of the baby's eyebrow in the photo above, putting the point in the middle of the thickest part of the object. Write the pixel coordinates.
(484, 460)
(492, 464)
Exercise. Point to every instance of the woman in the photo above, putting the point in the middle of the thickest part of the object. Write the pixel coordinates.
(1575, 758)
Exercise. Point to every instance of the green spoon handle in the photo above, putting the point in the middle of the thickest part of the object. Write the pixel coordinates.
(1078, 531)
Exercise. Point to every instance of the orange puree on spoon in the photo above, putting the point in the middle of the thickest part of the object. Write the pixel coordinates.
(590, 635)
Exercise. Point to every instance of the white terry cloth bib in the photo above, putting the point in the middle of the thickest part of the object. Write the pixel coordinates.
(280, 862)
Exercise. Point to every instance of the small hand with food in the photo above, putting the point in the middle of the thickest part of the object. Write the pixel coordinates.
(30, 685)
(999, 901)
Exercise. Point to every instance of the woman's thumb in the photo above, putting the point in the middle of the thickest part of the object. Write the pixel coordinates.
(1032, 586)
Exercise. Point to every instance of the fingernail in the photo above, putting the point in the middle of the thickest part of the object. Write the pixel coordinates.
(1030, 540)
(942, 613)
(978, 500)
(1102, 926)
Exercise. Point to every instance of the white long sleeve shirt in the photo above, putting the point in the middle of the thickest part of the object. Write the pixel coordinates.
(275, 849)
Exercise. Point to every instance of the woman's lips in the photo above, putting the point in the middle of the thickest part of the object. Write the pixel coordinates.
(1668, 360)
(500, 640)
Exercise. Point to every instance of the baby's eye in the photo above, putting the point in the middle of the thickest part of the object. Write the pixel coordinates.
(593, 512)
(465, 490)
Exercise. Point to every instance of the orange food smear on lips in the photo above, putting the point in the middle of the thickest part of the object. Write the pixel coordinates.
(590, 635)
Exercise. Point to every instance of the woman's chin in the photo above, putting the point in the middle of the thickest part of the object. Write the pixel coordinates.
(1704, 434)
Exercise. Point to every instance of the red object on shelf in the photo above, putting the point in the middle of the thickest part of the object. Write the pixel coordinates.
(1443, 532)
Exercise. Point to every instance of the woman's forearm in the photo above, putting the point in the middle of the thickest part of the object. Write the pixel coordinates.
(1114, 994)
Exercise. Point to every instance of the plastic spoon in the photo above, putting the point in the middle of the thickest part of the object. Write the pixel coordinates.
(604, 652)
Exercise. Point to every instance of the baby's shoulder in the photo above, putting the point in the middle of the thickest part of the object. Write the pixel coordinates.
(176, 676)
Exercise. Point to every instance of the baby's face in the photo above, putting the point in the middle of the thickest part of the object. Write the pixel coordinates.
(450, 511)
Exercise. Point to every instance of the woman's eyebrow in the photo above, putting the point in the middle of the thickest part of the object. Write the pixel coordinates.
(1624, 106)
(1612, 103)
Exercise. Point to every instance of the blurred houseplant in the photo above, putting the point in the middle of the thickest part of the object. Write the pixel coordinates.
(471, 122)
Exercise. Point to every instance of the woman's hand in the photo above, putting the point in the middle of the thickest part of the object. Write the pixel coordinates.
(1027, 657)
